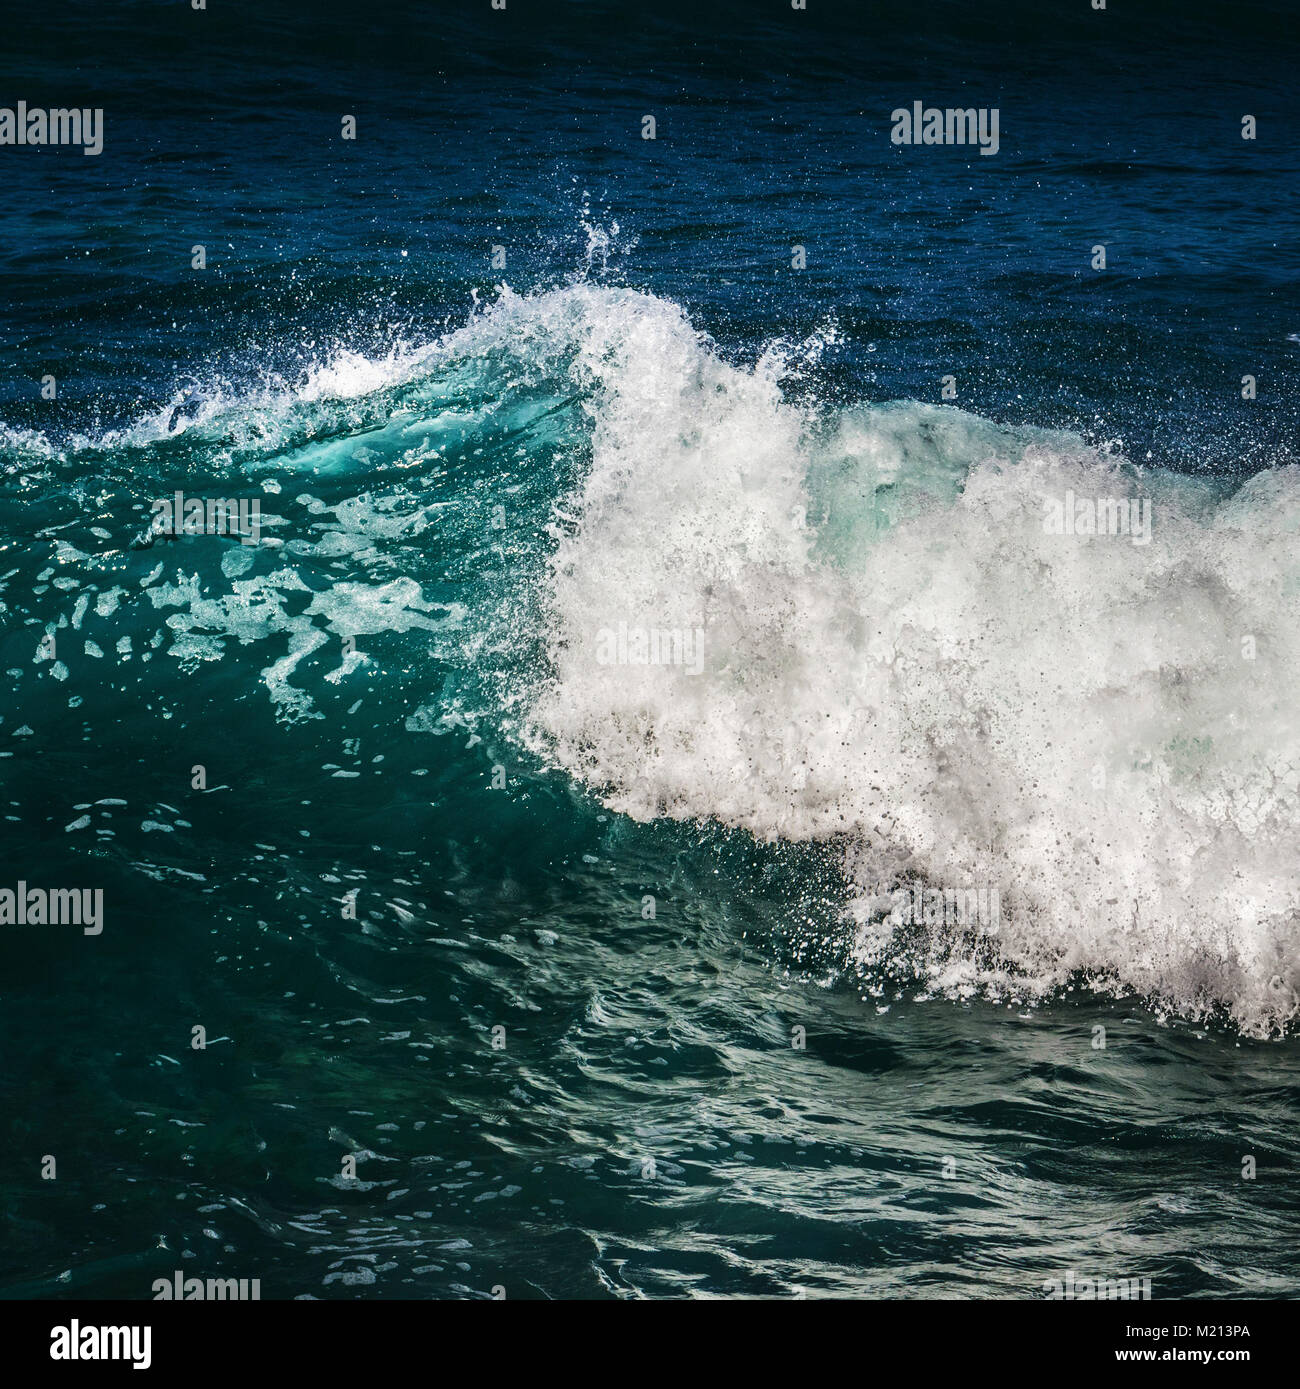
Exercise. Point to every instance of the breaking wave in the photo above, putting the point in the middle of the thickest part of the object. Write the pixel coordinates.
(867, 629)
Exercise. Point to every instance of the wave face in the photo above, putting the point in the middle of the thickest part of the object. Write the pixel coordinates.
(867, 632)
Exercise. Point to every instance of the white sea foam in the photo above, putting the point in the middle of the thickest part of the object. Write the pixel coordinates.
(899, 653)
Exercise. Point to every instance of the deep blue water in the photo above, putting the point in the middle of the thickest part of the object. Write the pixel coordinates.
(651, 880)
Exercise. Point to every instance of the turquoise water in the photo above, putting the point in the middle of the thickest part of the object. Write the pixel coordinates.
(527, 968)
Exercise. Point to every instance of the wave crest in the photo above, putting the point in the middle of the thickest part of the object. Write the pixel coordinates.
(900, 650)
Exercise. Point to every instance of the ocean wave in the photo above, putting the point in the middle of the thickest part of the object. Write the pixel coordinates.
(724, 600)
